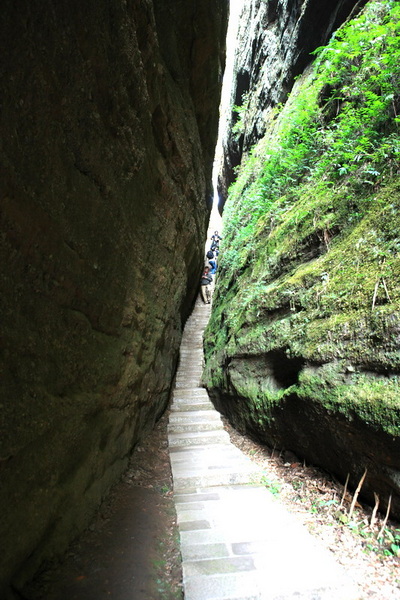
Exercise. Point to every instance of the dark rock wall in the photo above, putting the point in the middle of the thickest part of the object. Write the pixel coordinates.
(274, 43)
(108, 123)
(343, 445)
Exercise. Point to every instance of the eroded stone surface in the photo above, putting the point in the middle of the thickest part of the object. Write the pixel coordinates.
(109, 119)
(275, 40)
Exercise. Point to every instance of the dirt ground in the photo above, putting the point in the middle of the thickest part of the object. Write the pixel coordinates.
(131, 550)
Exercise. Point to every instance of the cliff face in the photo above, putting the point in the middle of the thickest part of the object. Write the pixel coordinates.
(303, 345)
(108, 124)
(274, 43)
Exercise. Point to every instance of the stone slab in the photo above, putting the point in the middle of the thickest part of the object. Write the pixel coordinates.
(194, 416)
(181, 407)
(195, 438)
(190, 393)
(237, 541)
(188, 426)
(187, 399)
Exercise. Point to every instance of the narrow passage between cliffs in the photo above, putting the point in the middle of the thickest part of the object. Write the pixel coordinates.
(233, 532)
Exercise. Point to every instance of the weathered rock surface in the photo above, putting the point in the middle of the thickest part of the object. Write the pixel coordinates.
(342, 444)
(108, 123)
(303, 345)
(275, 40)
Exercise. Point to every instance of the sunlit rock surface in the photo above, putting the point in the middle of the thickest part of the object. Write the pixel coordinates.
(274, 43)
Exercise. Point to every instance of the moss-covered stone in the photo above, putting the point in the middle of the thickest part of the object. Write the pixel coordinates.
(307, 306)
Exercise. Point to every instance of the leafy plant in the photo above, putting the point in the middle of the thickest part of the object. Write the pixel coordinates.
(272, 485)
(241, 111)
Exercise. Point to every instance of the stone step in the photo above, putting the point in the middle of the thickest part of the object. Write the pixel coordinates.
(185, 427)
(195, 416)
(193, 331)
(252, 585)
(212, 454)
(189, 360)
(225, 473)
(233, 535)
(192, 391)
(186, 371)
(198, 438)
(191, 348)
(182, 407)
(215, 478)
(192, 400)
(190, 379)
(214, 464)
(191, 403)
(183, 396)
(184, 383)
(194, 347)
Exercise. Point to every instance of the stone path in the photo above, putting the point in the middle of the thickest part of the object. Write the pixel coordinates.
(237, 541)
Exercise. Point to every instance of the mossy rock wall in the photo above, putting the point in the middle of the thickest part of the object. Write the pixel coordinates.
(109, 115)
(303, 346)
(273, 46)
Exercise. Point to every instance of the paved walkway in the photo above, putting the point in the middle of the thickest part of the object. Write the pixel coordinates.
(237, 541)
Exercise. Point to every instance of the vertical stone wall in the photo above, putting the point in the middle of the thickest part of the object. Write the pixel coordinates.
(274, 45)
(302, 349)
(108, 122)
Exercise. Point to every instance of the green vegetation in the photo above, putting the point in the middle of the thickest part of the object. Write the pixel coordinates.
(310, 261)
(374, 400)
(272, 484)
(242, 112)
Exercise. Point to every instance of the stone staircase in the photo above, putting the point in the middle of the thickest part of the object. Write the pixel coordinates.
(237, 541)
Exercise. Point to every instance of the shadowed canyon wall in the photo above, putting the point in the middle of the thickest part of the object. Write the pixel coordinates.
(303, 344)
(109, 114)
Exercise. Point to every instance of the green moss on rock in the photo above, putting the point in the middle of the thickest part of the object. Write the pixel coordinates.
(307, 306)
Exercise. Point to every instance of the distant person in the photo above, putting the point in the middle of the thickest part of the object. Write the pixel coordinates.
(212, 262)
(205, 282)
(215, 238)
(209, 261)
